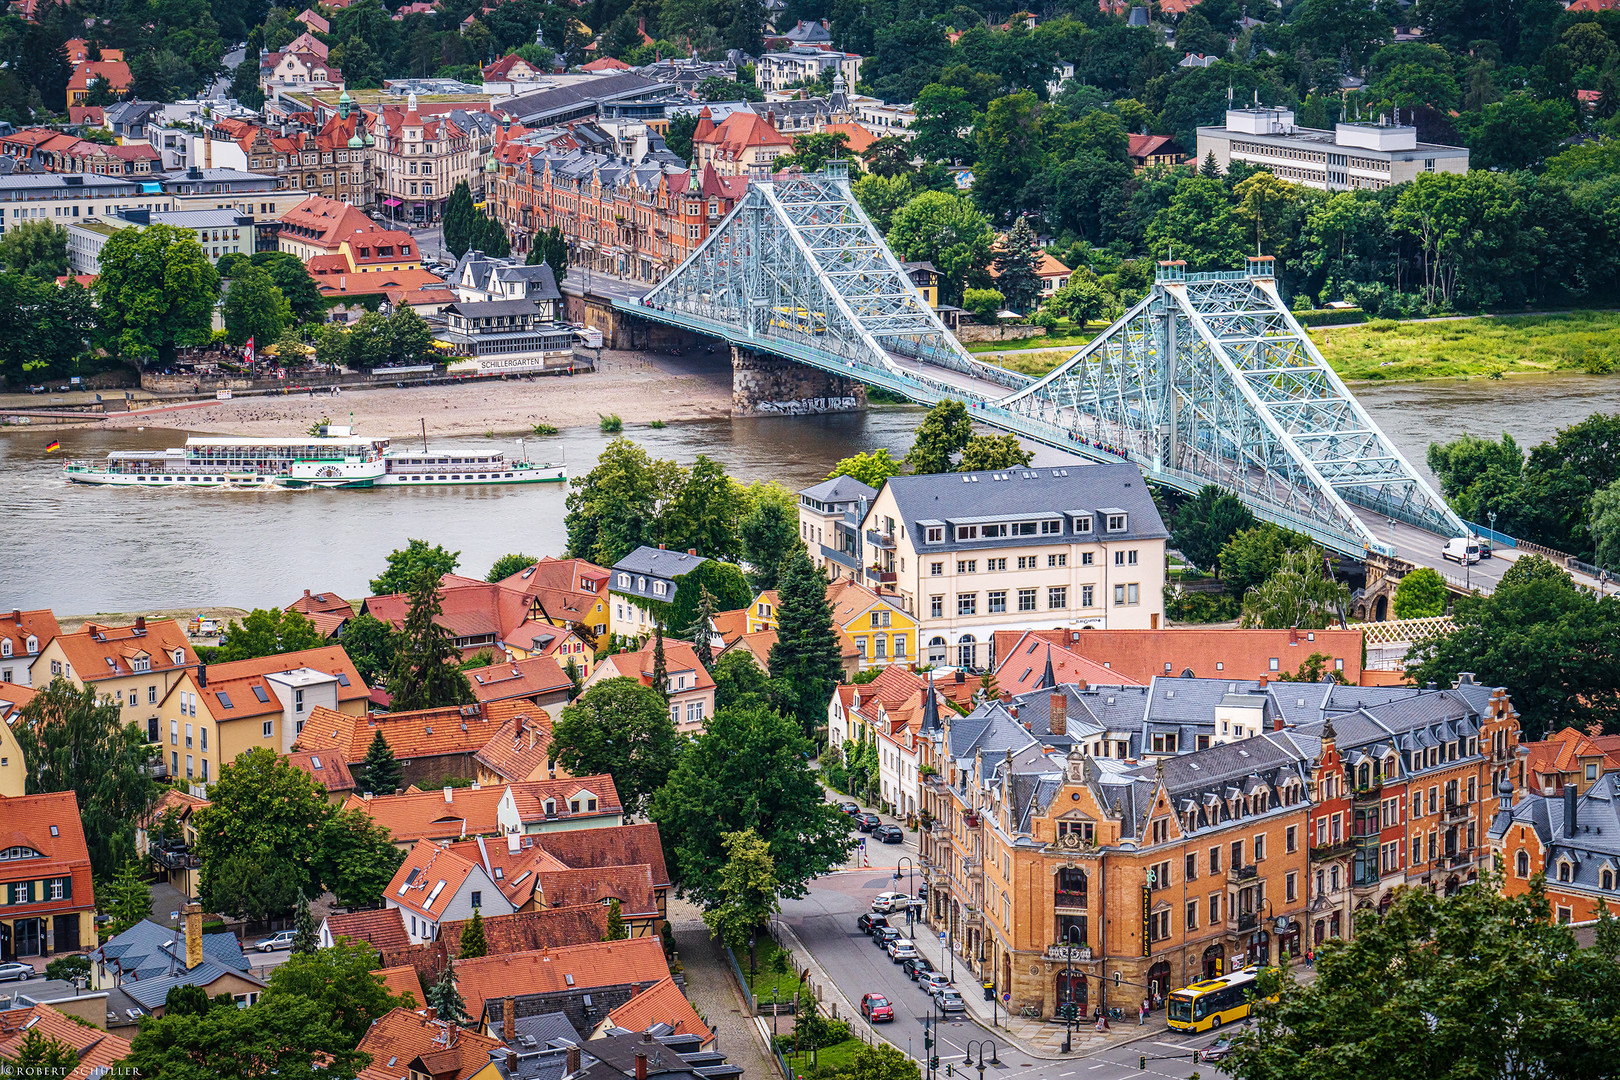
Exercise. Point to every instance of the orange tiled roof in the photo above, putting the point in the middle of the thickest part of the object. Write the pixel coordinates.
(18, 626)
(114, 72)
(428, 869)
(444, 1051)
(456, 729)
(97, 1050)
(518, 679)
(1144, 146)
(521, 749)
(661, 1004)
(49, 823)
(605, 63)
(469, 608)
(1023, 666)
(859, 138)
(638, 961)
(402, 980)
(330, 772)
(329, 602)
(730, 625)
(679, 656)
(105, 652)
(631, 886)
(383, 928)
(329, 659)
(183, 803)
(567, 589)
(741, 131)
(14, 697)
(623, 845)
(427, 815)
(1562, 751)
(551, 928)
(1139, 655)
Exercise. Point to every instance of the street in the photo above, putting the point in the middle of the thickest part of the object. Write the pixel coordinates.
(824, 923)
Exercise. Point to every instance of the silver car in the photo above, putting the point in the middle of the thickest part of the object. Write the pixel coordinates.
(949, 1000)
(931, 981)
(901, 949)
(12, 972)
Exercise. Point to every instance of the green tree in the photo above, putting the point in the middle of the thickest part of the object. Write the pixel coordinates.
(882, 196)
(941, 436)
(1200, 227)
(984, 304)
(749, 769)
(1404, 996)
(127, 898)
(186, 1001)
(871, 467)
(371, 644)
(991, 452)
(1252, 555)
(1015, 267)
(72, 742)
(340, 980)
(305, 936)
(473, 943)
(1420, 594)
(71, 968)
(406, 564)
(1605, 526)
(39, 1054)
(1458, 463)
(410, 338)
(806, 655)
(426, 672)
(768, 531)
(660, 665)
(507, 565)
(943, 129)
(678, 139)
(746, 889)
(615, 922)
(1297, 594)
(156, 292)
(703, 628)
(813, 150)
(1009, 150)
(879, 1061)
(262, 809)
(457, 220)
(254, 308)
(738, 680)
(615, 508)
(551, 248)
(291, 276)
(944, 229)
(725, 582)
(1517, 132)
(1547, 643)
(37, 248)
(357, 858)
(251, 884)
(704, 512)
(1083, 298)
(622, 729)
(268, 632)
(290, 1037)
(1203, 525)
(445, 999)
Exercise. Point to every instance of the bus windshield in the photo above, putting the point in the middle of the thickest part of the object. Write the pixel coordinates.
(1180, 1008)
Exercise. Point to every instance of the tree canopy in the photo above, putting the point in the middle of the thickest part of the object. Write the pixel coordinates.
(621, 728)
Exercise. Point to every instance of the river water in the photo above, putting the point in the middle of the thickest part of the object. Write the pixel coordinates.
(82, 550)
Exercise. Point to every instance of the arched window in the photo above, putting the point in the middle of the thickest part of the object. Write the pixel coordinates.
(1563, 871)
(936, 650)
(1333, 879)
(1607, 878)
(1523, 863)
(967, 650)
(1365, 780)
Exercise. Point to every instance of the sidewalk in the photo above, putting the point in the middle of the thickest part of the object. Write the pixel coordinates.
(711, 988)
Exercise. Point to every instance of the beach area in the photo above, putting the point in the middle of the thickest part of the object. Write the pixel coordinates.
(637, 387)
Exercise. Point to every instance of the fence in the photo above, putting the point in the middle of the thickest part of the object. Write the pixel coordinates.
(1406, 631)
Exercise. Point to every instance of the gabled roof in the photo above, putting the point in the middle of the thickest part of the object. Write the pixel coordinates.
(521, 748)
(631, 886)
(730, 625)
(418, 816)
(115, 73)
(18, 626)
(106, 652)
(743, 130)
(97, 1049)
(428, 879)
(444, 1051)
(327, 659)
(402, 980)
(383, 928)
(469, 608)
(840, 489)
(605, 63)
(679, 657)
(551, 928)
(1024, 665)
(148, 952)
(1142, 146)
(637, 961)
(14, 697)
(48, 823)
(456, 729)
(330, 772)
(661, 1004)
(1141, 655)
(567, 589)
(519, 679)
(310, 602)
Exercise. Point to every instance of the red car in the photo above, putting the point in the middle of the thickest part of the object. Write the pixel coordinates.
(876, 1009)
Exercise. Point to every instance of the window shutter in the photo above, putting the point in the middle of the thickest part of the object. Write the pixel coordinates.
(67, 887)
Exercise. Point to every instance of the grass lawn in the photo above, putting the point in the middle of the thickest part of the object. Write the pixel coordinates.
(830, 1060)
(1064, 336)
(767, 986)
(1525, 344)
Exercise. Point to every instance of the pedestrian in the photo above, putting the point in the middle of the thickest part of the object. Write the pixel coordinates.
(1310, 958)
(1141, 1014)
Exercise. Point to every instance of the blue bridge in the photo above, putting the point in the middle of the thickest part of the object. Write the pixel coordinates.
(1208, 379)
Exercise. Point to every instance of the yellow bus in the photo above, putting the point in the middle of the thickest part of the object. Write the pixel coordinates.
(1206, 1005)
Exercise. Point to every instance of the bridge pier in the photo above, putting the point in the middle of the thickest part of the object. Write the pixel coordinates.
(764, 385)
(1377, 601)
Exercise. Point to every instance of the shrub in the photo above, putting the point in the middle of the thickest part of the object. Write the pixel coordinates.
(545, 429)
(610, 424)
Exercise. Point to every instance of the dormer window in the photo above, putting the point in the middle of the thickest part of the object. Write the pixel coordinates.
(1116, 523)
(179, 656)
(935, 534)
(33, 645)
(1564, 870)
(1606, 879)
(5, 646)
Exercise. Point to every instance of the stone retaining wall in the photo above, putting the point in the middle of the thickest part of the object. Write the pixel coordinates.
(971, 332)
(769, 386)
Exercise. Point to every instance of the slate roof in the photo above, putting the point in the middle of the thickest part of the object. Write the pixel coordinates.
(840, 489)
(658, 564)
(547, 1029)
(1593, 846)
(148, 950)
(541, 106)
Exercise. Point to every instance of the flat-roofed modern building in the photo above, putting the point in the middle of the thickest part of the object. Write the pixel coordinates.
(65, 198)
(1355, 155)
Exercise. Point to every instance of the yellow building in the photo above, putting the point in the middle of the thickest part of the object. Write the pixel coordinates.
(880, 629)
(135, 666)
(13, 769)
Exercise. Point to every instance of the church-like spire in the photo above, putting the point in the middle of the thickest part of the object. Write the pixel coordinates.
(930, 720)
(1048, 679)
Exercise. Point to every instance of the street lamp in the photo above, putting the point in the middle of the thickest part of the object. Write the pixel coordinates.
(1069, 1019)
(1392, 537)
(981, 1044)
(911, 884)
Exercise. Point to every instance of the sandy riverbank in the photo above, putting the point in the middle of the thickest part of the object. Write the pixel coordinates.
(637, 386)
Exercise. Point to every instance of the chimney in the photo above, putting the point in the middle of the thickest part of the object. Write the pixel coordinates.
(140, 624)
(641, 1065)
(660, 547)
(202, 676)
(511, 1060)
(306, 593)
(1058, 715)
(691, 551)
(508, 1020)
(449, 794)
(572, 1066)
(1263, 680)
(961, 676)
(194, 952)
(16, 616)
(1569, 810)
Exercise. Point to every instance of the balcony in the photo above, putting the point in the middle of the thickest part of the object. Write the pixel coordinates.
(1368, 794)
(881, 576)
(1464, 857)
(1242, 873)
(1064, 954)
(1247, 920)
(1455, 812)
(880, 540)
(1337, 849)
(1069, 899)
(174, 855)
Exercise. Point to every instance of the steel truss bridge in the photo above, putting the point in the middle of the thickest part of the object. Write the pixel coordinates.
(1208, 379)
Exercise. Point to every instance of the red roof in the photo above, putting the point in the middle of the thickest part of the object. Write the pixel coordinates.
(330, 772)
(419, 1044)
(402, 980)
(383, 928)
(1024, 666)
(99, 652)
(469, 608)
(576, 968)
(18, 626)
(428, 880)
(1145, 146)
(96, 1049)
(457, 729)
(521, 749)
(605, 63)
(566, 589)
(310, 602)
(742, 130)
(49, 824)
(1139, 655)
(114, 72)
(525, 679)
(679, 658)
(662, 1004)
(86, 114)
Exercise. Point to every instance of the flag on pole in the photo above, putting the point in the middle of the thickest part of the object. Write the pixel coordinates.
(247, 353)
(54, 445)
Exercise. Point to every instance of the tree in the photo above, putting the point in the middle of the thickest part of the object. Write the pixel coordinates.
(410, 338)
(36, 248)
(290, 275)
(1405, 996)
(678, 139)
(623, 729)
(305, 938)
(254, 308)
(156, 291)
(749, 769)
(1199, 226)
(1009, 147)
(39, 1054)
(187, 1001)
(879, 1061)
(445, 1000)
(126, 898)
(406, 563)
(1518, 132)
(371, 644)
(746, 888)
(290, 346)
(70, 968)
(703, 629)
(704, 512)
(984, 304)
(881, 196)
(738, 680)
(614, 508)
(426, 672)
(1549, 645)
(342, 981)
(1203, 525)
(507, 565)
(1420, 594)
(871, 467)
(551, 248)
(473, 942)
(72, 742)
(1253, 554)
(1015, 267)
(660, 665)
(987, 453)
(357, 857)
(292, 1038)
(458, 220)
(1297, 594)
(615, 922)
(806, 655)
(812, 151)
(943, 434)
(943, 130)
(266, 814)
(725, 582)
(268, 632)
(1458, 463)
(769, 529)
(1082, 299)
(1605, 526)
(251, 885)
(944, 229)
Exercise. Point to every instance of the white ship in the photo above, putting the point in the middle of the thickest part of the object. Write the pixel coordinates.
(336, 458)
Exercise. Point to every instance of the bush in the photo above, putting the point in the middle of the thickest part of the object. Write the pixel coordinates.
(610, 424)
(1331, 317)
(545, 429)
(1200, 607)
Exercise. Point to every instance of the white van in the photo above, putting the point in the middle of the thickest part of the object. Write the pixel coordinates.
(1461, 549)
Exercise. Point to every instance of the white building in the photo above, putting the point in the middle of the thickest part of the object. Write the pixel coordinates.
(1372, 156)
(779, 70)
(434, 885)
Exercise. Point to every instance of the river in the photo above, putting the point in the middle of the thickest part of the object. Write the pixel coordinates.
(82, 550)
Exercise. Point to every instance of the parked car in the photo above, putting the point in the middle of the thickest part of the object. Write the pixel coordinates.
(922, 891)
(876, 1009)
(274, 942)
(948, 1000)
(931, 981)
(885, 934)
(889, 901)
(1217, 1050)
(902, 949)
(13, 972)
(889, 834)
(849, 808)
(870, 923)
(917, 965)
(867, 822)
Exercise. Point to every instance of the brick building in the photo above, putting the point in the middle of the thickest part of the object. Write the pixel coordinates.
(332, 160)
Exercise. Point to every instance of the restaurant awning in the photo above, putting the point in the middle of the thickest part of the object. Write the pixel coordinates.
(392, 202)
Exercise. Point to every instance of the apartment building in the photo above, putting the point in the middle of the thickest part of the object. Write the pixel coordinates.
(972, 553)
(417, 161)
(740, 145)
(801, 63)
(830, 515)
(1571, 839)
(1352, 155)
(65, 198)
(22, 635)
(324, 232)
(332, 159)
(133, 666)
(47, 900)
(644, 582)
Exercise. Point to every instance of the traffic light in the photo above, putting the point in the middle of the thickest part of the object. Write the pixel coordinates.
(933, 1062)
(1141, 1063)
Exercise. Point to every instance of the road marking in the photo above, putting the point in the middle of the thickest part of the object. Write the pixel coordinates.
(1173, 1046)
(1104, 1065)
(1069, 1073)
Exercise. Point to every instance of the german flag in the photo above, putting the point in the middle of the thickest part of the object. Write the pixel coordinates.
(53, 446)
